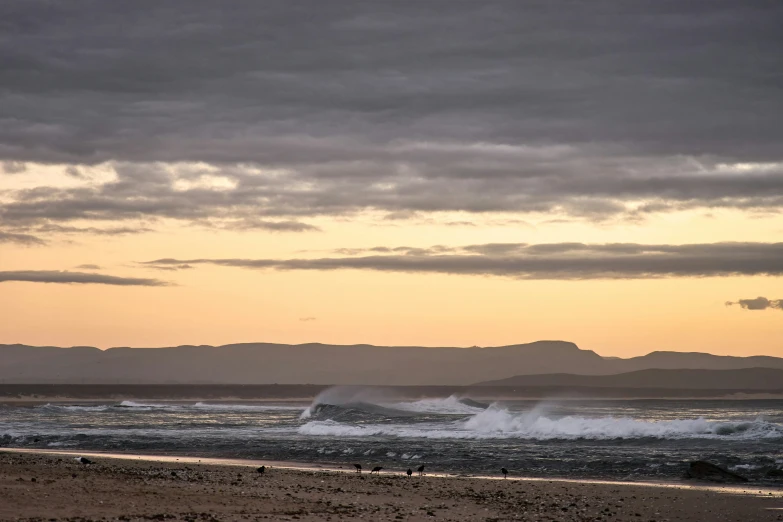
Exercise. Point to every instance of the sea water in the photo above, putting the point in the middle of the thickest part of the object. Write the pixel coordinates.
(603, 439)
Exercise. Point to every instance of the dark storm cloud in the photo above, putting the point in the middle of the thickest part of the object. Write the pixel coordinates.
(759, 303)
(567, 261)
(56, 276)
(324, 108)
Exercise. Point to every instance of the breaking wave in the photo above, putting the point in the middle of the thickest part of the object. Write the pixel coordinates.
(345, 401)
(355, 411)
(497, 422)
(452, 405)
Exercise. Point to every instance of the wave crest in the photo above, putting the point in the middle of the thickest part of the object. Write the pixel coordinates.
(496, 422)
(452, 405)
(336, 401)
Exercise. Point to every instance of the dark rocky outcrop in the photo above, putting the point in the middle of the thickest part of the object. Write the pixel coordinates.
(701, 470)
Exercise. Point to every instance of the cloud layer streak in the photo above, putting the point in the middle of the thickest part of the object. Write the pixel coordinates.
(566, 261)
(20, 239)
(66, 277)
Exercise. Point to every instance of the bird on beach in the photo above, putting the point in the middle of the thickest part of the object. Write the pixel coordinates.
(261, 469)
(420, 469)
(409, 472)
(376, 469)
(358, 468)
(504, 471)
(83, 460)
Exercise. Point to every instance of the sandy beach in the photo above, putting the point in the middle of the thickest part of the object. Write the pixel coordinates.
(43, 486)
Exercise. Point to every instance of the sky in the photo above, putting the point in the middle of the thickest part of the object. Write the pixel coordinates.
(398, 173)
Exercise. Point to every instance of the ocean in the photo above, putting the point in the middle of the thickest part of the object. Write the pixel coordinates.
(636, 440)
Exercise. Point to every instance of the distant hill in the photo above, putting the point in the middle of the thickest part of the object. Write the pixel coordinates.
(743, 379)
(266, 363)
(694, 360)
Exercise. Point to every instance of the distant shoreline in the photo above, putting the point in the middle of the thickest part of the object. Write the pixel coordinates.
(35, 394)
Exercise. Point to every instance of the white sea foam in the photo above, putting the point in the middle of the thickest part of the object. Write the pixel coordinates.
(746, 467)
(133, 404)
(105, 407)
(496, 422)
(75, 407)
(218, 407)
(333, 428)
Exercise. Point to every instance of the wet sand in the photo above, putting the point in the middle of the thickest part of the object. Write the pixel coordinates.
(40, 486)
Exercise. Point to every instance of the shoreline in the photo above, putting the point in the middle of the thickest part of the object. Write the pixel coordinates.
(734, 489)
(58, 393)
(42, 400)
(81, 401)
(53, 486)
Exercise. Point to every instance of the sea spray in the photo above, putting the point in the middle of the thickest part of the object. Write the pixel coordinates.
(384, 401)
(501, 423)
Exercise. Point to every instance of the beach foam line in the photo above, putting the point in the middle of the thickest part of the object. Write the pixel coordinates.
(301, 466)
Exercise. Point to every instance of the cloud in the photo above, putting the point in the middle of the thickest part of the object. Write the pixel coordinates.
(20, 239)
(169, 268)
(74, 172)
(564, 261)
(89, 267)
(307, 319)
(273, 226)
(260, 112)
(57, 276)
(14, 167)
(50, 228)
(21, 235)
(759, 303)
(406, 250)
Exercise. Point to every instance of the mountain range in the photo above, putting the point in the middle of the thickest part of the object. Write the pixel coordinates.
(314, 363)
